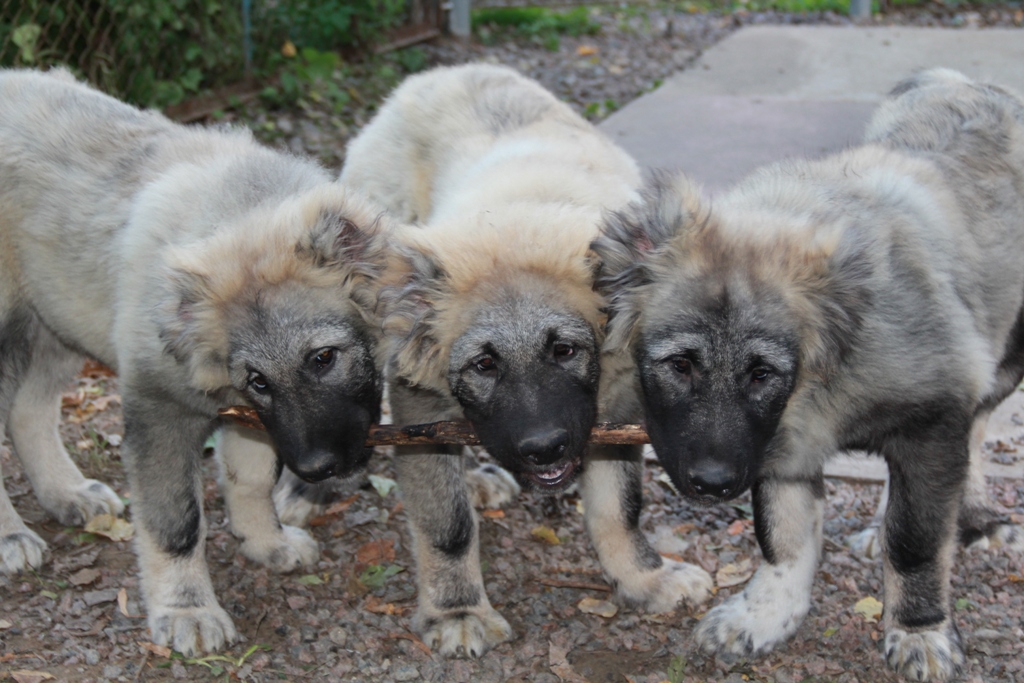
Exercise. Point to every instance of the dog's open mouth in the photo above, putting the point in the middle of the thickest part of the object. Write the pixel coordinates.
(554, 476)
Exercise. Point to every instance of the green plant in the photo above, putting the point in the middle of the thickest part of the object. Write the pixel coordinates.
(537, 24)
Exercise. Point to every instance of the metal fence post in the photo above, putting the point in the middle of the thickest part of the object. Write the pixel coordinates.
(860, 9)
(458, 19)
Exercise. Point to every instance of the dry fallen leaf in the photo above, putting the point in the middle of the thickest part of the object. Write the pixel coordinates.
(24, 676)
(288, 49)
(493, 514)
(122, 604)
(4, 624)
(602, 608)
(158, 650)
(559, 664)
(333, 511)
(376, 552)
(869, 608)
(378, 606)
(586, 50)
(734, 574)
(546, 534)
(114, 528)
(84, 577)
(737, 527)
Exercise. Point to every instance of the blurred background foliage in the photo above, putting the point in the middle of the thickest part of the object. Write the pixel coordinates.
(158, 52)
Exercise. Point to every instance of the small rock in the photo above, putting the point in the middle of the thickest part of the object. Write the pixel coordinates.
(93, 598)
(178, 670)
(338, 636)
(92, 657)
(405, 672)
(112, 671)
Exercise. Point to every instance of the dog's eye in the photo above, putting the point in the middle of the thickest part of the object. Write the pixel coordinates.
(485, 364)
(564, 350)
(259, 383)
(682, 365)
(324, 358)
(759, 374)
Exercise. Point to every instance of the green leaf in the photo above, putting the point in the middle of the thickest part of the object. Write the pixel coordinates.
(382, 485)
(829, 632)
(375, 575)
(49, 594)
(309, 580)
(676, 670)
(25, 37)
(962, 604)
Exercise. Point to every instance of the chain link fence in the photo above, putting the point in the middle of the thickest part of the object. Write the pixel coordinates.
(159, 52)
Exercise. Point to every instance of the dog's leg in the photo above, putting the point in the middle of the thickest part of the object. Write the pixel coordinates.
(454, 615)
(612, 493)
(867, 542)
(927, 476)
(20, 547)
(982, 525)
(162, 447)
(248, 471)
(491, 486)
(788, 517)
(60, 487)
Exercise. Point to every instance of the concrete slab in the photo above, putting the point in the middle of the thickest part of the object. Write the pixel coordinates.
(771, 92)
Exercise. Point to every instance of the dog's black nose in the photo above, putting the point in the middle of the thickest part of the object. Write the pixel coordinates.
(713, 479)
(544, 448)
(316, 465)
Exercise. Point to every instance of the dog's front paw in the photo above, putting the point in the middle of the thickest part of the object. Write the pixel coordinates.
(491, 487)
(925, 655)
(464, 633)
(192, 630)
(663, 589)
(76, 505)
(283, 552)
(743, 626)
(21, 550)
(866, 543)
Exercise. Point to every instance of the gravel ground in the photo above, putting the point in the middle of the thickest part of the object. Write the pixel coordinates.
(635, 51)
(345, 621)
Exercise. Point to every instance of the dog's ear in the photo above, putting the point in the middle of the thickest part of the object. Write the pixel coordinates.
(840, 299)
(337, 239)
(632, 238)
(408, 307)
(191, 330)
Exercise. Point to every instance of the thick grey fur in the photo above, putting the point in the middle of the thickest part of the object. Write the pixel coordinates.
(872, 299)
(191, 260)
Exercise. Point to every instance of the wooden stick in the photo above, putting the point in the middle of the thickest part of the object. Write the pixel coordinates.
(456, 433)
(584, 585)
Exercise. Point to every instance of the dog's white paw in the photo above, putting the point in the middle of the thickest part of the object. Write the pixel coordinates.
(925, 655)
(866, 543)
(663, 589)
(295, 502)
(21, 550)
(491, 487)
(465, 633)
(76, 505)
(285, 552)
(751, 622)
(1007, 536)
(192, 630)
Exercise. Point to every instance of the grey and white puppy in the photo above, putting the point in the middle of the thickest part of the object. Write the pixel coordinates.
(208, 271)
(869, 300)
(497, 322)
